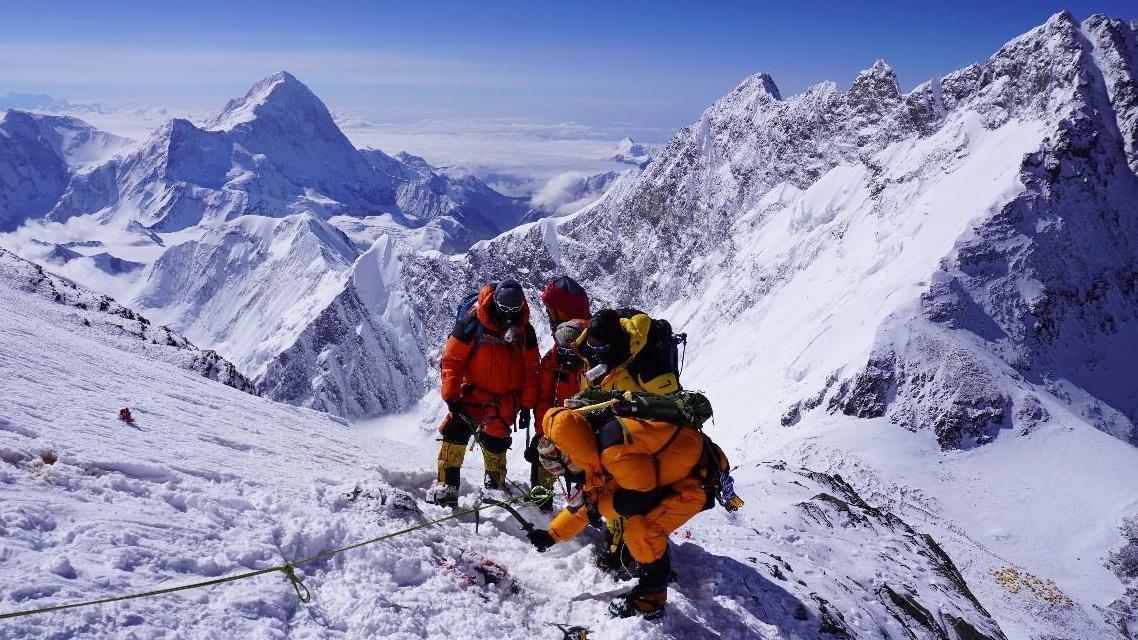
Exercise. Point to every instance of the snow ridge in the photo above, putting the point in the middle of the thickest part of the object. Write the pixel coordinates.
(104, 321)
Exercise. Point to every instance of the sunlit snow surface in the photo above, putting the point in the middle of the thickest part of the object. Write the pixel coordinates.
(800, 242)
(210, 481)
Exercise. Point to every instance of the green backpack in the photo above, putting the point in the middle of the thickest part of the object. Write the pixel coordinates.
(686, 408)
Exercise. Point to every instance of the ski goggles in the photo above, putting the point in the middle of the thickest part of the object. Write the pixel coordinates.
(598, 348)
(552, 460)
(510, 310)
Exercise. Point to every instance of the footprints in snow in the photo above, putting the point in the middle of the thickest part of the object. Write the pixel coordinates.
(7, 425)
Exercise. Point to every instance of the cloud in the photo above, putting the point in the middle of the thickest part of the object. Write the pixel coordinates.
(569, 191)
(517, 155)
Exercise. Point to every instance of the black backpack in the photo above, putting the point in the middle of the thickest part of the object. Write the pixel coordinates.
(661, 353)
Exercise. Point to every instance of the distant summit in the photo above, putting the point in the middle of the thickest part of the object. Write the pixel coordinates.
(45, 103)
(274, 152)
(279, 95)
(629, 151)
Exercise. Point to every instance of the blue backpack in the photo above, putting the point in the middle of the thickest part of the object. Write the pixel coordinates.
(465, 306)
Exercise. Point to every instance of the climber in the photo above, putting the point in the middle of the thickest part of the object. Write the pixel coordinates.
(560, 369)
(653, 474)
(626, 350)
(489, 381)
(559, 376)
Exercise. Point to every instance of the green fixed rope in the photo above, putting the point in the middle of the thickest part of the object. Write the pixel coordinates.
(537, 494)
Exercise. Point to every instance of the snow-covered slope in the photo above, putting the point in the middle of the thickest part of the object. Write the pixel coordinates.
(295, 305)
(248, 287)
(359, 356)
(103, 322)
(210, 482)
(38, 154)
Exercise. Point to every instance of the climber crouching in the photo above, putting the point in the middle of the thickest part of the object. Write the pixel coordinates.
(653, 475)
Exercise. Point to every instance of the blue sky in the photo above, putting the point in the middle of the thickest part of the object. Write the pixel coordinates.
(647, 65)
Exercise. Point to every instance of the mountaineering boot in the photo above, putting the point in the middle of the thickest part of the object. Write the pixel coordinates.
(650, 594)
(445, 489)
(647, 605)
(442, 494)
(495, 469)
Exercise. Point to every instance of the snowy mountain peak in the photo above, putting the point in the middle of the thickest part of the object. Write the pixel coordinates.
(418, 163)
(278, 94)
(879, 82)
(759, 84)
(629, 151)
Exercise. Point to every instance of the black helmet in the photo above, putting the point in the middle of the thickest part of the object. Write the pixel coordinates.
(606, 340)
(510, 301)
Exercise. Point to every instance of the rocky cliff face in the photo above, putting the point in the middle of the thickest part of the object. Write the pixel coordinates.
(1041, 294)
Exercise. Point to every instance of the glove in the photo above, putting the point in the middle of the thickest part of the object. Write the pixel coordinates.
(531, 450)
(454, 406)
(525, 416)
(541, 539)
(595, 519)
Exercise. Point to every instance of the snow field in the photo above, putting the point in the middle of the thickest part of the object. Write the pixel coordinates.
(210, 481)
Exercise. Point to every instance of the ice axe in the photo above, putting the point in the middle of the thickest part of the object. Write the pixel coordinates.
(526, 524)
(537, 494)
(571, 632)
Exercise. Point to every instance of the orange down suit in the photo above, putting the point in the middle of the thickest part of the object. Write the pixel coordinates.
(556, 383)
(622, 479)
(496, 378)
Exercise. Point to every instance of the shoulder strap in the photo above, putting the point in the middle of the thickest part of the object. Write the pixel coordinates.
(478, 330)
(656, 454)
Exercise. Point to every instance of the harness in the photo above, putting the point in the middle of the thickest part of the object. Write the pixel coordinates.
(481, 336)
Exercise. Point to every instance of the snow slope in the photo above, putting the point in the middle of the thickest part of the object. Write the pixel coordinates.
(210, 481)
(102, 320)
(248, 287)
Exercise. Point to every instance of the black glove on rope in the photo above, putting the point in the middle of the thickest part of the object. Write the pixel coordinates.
(525, 416)
(541, 539)
(454, 406)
